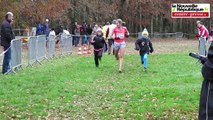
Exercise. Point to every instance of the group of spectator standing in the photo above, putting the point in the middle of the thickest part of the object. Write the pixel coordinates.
(83, 32)
(43, 29)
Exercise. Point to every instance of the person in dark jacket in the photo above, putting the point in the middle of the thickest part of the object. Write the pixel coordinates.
(211, 31)
(206, 96)
(98, 42)
(6, 37)
(89, 32)
(83, 33)
(46, 27)
(39, 29)
(211, 34)
(76, 37)
(144, 45)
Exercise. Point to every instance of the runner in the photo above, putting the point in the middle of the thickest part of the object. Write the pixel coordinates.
(98, 42)
(144, 46)
(119, 35)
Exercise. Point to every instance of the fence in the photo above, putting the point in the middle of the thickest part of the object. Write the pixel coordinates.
(16, 55)
(41, 48)
(66, 44)
(1, 58)
(32, 48)
(202, 46)
(51, 46)
(177, 35)
(38, 49)
(21, 32)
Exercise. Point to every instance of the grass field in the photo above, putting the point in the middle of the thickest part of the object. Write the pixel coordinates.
(73, 88)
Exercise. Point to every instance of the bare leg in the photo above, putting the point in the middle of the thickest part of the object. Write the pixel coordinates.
(121, 55)
(116, 54)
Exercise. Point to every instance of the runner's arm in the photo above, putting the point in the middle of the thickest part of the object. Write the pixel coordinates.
(137, 47)
(107, 33)
(151, 47)
(127, 33)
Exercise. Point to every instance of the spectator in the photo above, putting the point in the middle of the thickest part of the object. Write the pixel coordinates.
(6, 36)
(84, 34)
(211, 34)
(94, 31)
(124, 24)
(52, 32)
(46, 27)
(109, 36)
(66, 32)
(89, 30)
(73, 33)
(39, 29)
(203, 34)
(89, 33)
(104, 30)
(211, 31)
(58, 32)
(76, 35)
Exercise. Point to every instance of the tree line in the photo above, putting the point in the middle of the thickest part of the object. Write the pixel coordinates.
(155, 15)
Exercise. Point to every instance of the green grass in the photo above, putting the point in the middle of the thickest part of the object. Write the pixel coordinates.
(74, 88)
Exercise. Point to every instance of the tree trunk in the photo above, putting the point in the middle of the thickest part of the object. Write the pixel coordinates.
(181, 24)
(152, 26)
(161, 23)
(174, 28)
(140, 16)
(156, 23)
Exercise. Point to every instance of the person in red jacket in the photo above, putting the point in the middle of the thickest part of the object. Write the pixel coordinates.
(203, 31)
(119, 35)
(203, 35)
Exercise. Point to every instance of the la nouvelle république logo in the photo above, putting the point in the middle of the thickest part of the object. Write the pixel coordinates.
(195, 10)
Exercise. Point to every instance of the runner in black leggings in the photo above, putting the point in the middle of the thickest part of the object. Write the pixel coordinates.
(98, 42)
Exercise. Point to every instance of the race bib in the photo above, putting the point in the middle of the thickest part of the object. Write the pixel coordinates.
(120, 35)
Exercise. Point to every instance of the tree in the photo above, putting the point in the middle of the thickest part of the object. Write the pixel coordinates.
(155, 15)
(38, 10)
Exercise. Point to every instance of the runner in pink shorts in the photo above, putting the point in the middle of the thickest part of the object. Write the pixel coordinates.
(119, 35)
